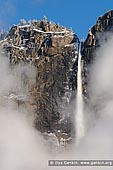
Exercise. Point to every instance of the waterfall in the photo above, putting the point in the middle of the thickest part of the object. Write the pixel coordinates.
(79, 117)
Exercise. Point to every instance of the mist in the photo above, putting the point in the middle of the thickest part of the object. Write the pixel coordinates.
(23, 148)
(97, 144)
(98, 141)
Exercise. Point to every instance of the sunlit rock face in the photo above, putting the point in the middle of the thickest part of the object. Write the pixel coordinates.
(53, 50)
(95, 39)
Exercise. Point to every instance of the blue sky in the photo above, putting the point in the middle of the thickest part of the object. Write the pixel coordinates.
(79, 15)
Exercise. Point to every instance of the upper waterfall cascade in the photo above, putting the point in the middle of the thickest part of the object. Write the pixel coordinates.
(79, 117)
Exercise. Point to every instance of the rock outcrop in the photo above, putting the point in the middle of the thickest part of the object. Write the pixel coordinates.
(53, 50)
(103, 24)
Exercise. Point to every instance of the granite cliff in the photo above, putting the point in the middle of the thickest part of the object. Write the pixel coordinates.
(53, 50)
(103, 25)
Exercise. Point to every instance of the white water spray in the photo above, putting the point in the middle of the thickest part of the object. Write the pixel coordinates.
(79, 118)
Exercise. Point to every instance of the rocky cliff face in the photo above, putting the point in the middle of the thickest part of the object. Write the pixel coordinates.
(53, 50)
(103, 24)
